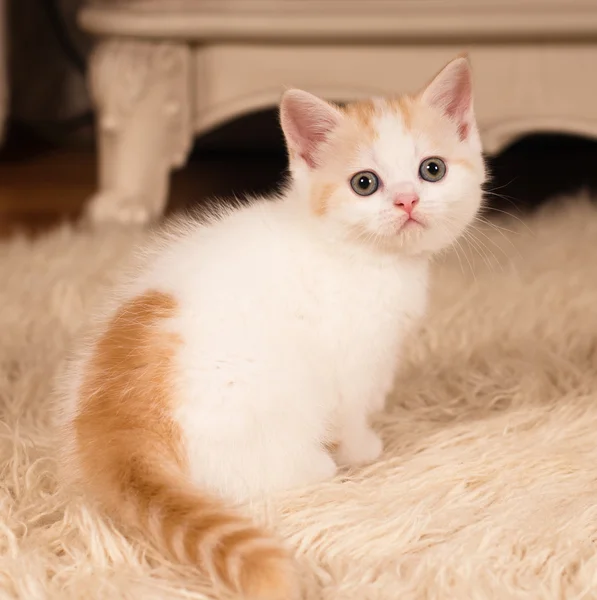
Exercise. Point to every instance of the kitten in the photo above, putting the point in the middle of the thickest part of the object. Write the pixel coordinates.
(251, 345)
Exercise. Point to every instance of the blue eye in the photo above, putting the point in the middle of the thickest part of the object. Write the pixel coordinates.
(364, 183)
(432, 169)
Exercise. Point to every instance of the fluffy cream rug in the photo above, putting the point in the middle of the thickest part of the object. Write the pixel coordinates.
(488, 485)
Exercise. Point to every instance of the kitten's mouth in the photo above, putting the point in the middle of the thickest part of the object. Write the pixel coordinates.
(410, 223)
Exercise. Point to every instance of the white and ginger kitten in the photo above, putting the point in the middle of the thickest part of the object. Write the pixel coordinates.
(250, 352)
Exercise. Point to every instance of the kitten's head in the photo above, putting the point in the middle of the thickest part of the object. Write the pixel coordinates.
(404, 173)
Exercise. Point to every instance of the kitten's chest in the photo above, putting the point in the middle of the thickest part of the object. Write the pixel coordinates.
(366, 310)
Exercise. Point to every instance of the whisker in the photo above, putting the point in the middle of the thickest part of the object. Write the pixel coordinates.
(501, 187)
(500, 231)
(488, 249)
(490, 239)
(495, 225)
(456, 244)
(510, 215)
(492, 191)
(473, 243)
(478, 247)
(458, 247)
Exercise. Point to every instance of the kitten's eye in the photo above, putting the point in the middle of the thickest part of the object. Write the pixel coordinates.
(432, 169)
(364, 183)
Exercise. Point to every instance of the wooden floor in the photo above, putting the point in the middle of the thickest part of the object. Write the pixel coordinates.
(42, 184)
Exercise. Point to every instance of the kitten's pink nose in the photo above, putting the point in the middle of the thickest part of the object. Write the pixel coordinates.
(406, 201)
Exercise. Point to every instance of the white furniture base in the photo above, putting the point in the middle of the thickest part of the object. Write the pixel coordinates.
(167, 70)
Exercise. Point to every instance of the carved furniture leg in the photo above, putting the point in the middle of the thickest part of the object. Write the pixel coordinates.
(142, 92)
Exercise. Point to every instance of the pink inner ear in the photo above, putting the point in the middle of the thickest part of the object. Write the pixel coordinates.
(452, 92)
(306, 121)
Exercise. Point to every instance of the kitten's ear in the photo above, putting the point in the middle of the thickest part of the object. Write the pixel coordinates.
(451, 91)
(306, 121)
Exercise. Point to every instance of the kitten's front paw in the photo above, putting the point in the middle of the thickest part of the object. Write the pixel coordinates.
(360, 450)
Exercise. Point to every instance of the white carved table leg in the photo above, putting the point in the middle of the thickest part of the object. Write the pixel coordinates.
(142, 92)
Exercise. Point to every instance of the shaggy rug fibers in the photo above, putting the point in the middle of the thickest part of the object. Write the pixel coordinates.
(488, 484)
